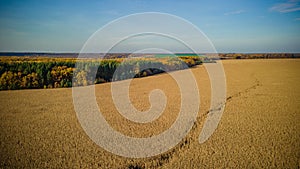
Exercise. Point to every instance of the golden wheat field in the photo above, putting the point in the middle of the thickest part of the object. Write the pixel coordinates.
(260, 127)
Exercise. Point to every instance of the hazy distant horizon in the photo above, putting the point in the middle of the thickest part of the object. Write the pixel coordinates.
(2, 53)
(74, 52)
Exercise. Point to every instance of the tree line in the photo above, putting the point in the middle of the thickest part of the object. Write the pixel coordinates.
(26, 73)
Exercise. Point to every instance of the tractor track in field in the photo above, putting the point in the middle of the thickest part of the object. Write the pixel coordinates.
(164, 158)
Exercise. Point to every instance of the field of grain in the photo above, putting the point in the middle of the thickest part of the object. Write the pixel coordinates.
(259, 128)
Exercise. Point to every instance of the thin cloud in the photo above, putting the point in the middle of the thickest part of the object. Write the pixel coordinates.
(297, 19)
(289, 6)
(234, 12)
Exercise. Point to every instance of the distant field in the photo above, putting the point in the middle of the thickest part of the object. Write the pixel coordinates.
(178, 55)
(125, 55)
(259, 129)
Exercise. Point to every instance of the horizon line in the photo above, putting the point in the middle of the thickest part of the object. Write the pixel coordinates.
(69, 52)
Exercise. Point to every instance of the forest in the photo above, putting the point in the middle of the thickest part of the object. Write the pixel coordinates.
(45, 72)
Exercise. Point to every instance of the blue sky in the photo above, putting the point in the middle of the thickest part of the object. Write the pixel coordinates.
(231, 25)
